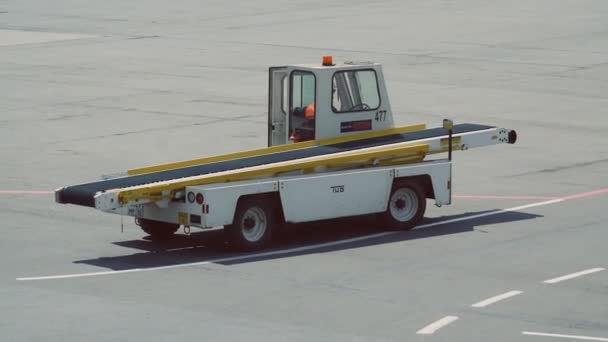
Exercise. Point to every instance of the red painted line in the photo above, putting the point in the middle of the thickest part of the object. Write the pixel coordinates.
(575, 196)
(505, 197)
(42, 192)
(587, 194)
(25, 192)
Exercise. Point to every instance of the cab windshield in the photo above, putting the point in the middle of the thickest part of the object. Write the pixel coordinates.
(355, 91)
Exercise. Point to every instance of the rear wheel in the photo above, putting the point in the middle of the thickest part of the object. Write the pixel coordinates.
(253, 226)
(158, 230)
(406, 206)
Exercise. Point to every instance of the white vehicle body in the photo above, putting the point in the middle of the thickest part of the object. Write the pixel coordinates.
(306, 197)
(303, 198)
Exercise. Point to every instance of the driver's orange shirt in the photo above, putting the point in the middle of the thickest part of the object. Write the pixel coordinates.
(309, 112)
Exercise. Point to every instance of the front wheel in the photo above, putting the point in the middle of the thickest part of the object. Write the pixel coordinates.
(406, 206)
(253, 225)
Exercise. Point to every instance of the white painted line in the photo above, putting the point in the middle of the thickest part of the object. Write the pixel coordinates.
(505, 197)
(495, 299)
(491, 213)
(286, 251)
(572, 337)
(431, 328)
(201, 263)
(573, 275)
(313, 247)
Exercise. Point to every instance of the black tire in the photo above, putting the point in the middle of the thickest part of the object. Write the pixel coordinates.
(253, 226)
(158, 230)
(406, 206)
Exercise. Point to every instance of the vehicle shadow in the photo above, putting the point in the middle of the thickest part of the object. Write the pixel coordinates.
(293, 240)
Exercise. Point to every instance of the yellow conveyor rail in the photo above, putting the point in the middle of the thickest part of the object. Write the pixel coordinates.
(275, 149)
(370, 156)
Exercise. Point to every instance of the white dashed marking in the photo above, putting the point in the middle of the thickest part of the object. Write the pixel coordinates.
(431, 328)
(573, 275)
(495, 299)
(572, 337)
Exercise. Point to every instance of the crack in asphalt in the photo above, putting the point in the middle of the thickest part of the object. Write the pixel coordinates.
(561, 168)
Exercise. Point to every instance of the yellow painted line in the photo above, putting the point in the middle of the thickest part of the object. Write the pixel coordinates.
(275, 149)
(166, 189)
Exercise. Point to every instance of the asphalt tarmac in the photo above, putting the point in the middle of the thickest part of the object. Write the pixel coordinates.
(98, 88)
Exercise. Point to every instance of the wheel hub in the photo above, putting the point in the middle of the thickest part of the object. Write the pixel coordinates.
(403, 204)
(253, 224)
(249, 223)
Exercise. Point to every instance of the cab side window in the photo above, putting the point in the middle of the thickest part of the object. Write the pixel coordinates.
(302, 90)
(302, 106)
(355, 91)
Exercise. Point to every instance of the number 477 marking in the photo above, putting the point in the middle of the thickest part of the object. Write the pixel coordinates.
(380, 115)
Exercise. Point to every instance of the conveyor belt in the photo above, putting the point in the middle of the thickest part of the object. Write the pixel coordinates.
(168, 190)
(83, 194)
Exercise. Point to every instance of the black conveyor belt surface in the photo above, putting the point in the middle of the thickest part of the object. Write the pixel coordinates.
(83, 194)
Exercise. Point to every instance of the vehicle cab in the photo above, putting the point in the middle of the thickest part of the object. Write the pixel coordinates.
(310, 102)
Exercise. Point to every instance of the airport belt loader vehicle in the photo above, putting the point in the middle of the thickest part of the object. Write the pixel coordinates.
(333, 151)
